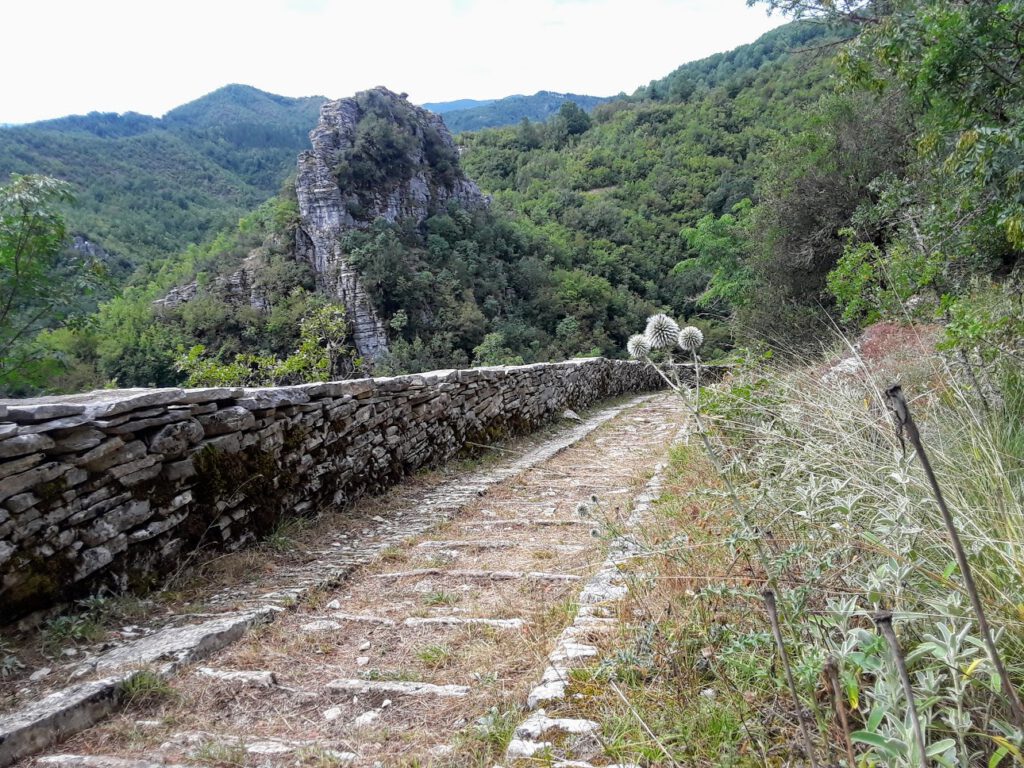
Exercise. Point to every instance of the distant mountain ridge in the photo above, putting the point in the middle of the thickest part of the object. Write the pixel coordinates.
(441, 107)
(509, 110)
(146, 187)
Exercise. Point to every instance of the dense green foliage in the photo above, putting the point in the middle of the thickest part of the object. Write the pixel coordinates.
(42, 282)
(617, 201)
(597, 221)
(537, 108)
(905, 184)
(131, 340)
(322, 355)
(474, 279)
(146, 187)
(384, 151)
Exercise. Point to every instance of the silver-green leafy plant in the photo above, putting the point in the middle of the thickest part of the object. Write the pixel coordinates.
(849, 527)
(905, 422)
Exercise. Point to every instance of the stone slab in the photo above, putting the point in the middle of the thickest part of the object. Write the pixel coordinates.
(372, 692)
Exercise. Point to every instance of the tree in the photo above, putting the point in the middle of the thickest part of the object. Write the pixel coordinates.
(42, 282)
(322, 355)
(812, 186)
(492, 351)
(719, 263)
(576, 121)
(960, 63)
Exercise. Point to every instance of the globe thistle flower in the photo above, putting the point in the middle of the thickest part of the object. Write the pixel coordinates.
(661, 331)
(638, 347)
(582, 509)
(690, 339)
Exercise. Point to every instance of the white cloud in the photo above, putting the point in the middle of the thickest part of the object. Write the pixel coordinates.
(70, 56)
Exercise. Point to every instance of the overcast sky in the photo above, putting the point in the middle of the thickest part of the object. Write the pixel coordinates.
(75, 56)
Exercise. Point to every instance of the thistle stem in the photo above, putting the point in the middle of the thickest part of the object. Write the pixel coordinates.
(773, 616)
(901, 412)
(720, 471)
(832, 676)
(883, 621)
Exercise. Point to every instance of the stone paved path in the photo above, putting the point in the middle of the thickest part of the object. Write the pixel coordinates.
(423, 656)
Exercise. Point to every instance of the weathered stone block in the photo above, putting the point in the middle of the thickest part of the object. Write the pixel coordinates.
(104, 403)
(102, 456)
(272, 397)
(225, 443)
(231, 419)
(38, 476)
(39, 409)
(14, 466)
(210, 394)
(20, 503)
(138, 425)
(76, 441)
(179, 470)
(22, 444)
(174, 439)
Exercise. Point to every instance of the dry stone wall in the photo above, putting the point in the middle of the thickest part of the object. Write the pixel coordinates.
(113, 488)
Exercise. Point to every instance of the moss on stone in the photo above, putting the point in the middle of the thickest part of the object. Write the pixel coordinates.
(40, 582)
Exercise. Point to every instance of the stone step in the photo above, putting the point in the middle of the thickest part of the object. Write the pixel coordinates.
(458, 621)
(520, 522)
(245, 678)
(374, 692)
(69, 710)
(527, 740)
(486, 575)
(99, 761)
(362, 618)
(562, 549)
(466, 544)
(256, 747)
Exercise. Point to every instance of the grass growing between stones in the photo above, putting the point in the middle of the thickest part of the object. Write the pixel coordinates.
(145, 687)
(436, 655)
(441, 597)
(62, 637)
(220, 754)
(483, 742)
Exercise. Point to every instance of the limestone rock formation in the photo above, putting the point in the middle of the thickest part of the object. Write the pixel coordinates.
(374, 156)
(238, 287)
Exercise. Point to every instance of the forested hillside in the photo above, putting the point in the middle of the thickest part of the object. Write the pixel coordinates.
(762, 194)
(146, 188)
(587, 233)
(613, 195)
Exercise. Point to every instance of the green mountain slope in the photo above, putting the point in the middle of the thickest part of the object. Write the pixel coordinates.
(586, 235)
(613, 202)
(147, 187)
(512, 109)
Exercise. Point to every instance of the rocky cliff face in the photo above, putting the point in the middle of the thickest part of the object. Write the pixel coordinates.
(374, 156)
(238, 287)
